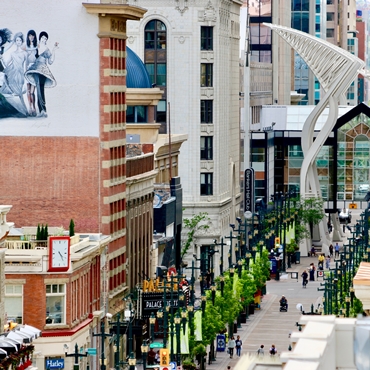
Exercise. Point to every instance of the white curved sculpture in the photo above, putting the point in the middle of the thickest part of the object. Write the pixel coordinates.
(335, 69)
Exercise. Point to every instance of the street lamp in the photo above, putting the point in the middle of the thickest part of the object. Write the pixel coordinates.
(103, 336)
(76, 356)
(144, 351)
(178, 346)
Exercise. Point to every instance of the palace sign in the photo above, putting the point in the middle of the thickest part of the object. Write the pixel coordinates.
(152, 302)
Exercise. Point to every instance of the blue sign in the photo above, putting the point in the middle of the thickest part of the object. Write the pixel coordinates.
(221, 343)
(91, 351)
(55, 363)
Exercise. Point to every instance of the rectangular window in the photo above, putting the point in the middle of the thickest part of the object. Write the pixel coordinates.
(206, 111)
(206, 71)
(206, 183)
(136, 114)
(330, 32)
(14, 303)
(206, 38)
(330, 17)
(55, 304)
(161, 74)
(206, 147)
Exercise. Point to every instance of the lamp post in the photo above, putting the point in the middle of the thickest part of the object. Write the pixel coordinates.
(76, 356)
(103, 336)
(231, 237)
(178, 332)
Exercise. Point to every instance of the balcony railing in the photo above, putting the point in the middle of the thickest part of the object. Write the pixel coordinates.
(26, 244)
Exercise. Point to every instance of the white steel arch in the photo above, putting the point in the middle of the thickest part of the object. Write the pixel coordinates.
(335, 69)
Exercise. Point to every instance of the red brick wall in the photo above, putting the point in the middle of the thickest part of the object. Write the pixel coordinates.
(51, 180)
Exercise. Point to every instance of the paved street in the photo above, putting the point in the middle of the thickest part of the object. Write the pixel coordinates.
(269, 326)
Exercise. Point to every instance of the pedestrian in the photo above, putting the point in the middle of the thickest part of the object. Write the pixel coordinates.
(273, 350)
(312, 271)
(313, 251)
(337, 250)
(304, 278)
(331, 249)
(151, 357)
(157, 358)
(231, 345)
(238, 345)
(321, 261)
(261, 351)
(327, 262)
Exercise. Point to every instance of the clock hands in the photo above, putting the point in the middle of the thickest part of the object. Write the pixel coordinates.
(61, 255)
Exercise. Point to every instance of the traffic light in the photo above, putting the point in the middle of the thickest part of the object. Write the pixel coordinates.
(277, 241)
(164, 357)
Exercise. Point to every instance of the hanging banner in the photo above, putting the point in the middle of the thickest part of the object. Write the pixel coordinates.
(198, 325)
(249, 190)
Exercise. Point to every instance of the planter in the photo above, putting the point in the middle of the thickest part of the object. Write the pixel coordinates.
(251, 309)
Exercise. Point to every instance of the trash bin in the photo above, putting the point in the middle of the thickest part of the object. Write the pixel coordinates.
(243, 318)
(297, 257)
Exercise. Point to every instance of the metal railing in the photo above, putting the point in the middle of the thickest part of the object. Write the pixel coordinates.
(26, 244)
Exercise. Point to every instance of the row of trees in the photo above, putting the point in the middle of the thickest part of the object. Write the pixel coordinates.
(238, 294)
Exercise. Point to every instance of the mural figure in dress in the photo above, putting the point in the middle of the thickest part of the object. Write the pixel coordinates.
(5, 43)
(32, 55)
(14, 73)
(39, 74)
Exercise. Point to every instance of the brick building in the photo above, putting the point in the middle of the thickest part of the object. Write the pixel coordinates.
(63, 120)
(66, 305)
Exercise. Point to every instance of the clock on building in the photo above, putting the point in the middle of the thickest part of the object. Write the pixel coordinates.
(59, 253)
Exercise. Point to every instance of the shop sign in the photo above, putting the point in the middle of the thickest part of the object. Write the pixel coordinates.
(55, 363)
(153, 302)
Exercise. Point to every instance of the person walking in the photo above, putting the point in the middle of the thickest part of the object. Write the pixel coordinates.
(230, 346)
(337, 250)
(273, 350)
(327, 262)
(331, 250)
(261, 351)
(321, 260)
(238, 345)
(312, 271)
(304, 279)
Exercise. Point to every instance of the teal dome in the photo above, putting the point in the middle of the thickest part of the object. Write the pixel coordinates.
(137, 75)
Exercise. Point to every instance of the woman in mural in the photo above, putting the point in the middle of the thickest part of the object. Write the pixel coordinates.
(38, 73)
(32, 55)
(14, 72)
(5, 43)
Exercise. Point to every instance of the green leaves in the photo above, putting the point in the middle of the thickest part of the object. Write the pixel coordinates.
(193, 225)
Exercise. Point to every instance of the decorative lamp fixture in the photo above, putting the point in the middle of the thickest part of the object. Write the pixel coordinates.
(144, 347)
(152, 318)
(160, 314)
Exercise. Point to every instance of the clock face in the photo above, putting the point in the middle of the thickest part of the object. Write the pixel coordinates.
(59, 254)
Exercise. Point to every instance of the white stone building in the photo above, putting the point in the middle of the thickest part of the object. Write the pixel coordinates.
(191, 50)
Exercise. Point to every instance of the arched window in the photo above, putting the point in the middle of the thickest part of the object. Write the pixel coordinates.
(156, 64)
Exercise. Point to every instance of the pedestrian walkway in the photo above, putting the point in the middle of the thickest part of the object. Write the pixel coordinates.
(268, 325)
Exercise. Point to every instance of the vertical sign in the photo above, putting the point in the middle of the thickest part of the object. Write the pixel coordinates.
(249, 190)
